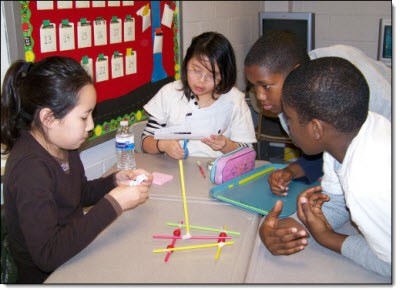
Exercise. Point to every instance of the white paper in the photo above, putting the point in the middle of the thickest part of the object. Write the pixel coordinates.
(67, 37)
(129, 30)
(64, 4)
(113, 3)
(102, 70)
(158, 42)
(130, 64)
(146, 19)
(48, 40)
(98, 4)
(201, 124)
(88, 67)
(116, 32)
(146, 22)
(100, 33)
(117, 67)
(44, 5)
(127, 3)
(84, 35)
(168, 16)
(82, 4)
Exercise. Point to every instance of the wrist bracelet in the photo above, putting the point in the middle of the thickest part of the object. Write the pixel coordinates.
(158, 149)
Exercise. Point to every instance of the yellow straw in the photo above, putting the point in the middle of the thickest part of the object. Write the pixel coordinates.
(255, 175)
(192, 247)
(184, 196)
(218, 252)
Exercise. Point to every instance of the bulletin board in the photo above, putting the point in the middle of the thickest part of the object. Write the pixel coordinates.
(130, 48)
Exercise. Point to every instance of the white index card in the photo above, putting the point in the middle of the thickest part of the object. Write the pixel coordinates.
(102, 69)
(84, 35)
(168, 16)
(88, 66)
(113, 3)
(44, 5)
(117, 66)
(158, 42)
(100, 32)
(66, 37)
(129, 30)
(130, 63)
(48, 41)
(64, 4)
(98, 4)
(82, 4)
(116, 31)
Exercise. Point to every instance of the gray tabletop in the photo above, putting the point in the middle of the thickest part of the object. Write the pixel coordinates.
(123, 252)
(196, 185)
(314, 265)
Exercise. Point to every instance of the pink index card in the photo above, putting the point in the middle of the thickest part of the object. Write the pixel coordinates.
(161, 178)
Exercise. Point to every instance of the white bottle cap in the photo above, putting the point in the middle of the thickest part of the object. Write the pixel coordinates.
(123, 123)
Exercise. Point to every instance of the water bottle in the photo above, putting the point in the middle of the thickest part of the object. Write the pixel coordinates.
(125, 147)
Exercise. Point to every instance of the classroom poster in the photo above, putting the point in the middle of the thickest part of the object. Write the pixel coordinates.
(130, 48)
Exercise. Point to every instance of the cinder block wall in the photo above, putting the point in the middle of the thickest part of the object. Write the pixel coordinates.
(237, 20)
(354, 23)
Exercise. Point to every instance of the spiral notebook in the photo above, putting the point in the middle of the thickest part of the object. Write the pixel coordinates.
(251, 191)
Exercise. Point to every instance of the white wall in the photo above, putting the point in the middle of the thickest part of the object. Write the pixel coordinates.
(5, 59)
(354, 23)
(5, 63)
(237, 20)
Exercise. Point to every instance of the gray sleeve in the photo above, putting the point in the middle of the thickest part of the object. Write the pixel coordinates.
(355, 248)
(335, 210)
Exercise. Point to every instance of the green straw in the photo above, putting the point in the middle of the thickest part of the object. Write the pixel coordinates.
(242, 205)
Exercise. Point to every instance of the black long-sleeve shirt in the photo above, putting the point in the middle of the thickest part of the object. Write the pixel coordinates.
(43, 205)
(312, 167)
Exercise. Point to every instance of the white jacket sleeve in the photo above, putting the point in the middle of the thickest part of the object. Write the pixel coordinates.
(376, 73)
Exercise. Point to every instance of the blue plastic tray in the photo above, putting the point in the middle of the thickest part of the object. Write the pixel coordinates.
(251, 191)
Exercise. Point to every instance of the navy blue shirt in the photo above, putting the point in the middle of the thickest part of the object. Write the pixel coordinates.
(312, 166)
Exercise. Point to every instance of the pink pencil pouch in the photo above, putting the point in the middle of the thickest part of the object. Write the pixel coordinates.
(232, 165)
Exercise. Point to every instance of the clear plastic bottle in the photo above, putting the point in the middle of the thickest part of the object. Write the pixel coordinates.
(125, 147)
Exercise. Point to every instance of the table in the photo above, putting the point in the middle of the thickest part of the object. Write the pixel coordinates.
(122, 253)
(314, 265)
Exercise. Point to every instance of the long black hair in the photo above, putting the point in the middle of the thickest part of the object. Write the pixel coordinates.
(219, 51)
(53, 83)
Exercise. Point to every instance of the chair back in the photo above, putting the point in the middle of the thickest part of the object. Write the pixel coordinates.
(269, 128)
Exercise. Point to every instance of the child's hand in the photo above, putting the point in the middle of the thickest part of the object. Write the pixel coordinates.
(309, 204)
(216, 142)
(172, 148)
(279, 181)
(282, 237)
(130, 197)
(123, 177)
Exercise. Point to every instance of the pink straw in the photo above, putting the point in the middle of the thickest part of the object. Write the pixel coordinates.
(193, 237)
